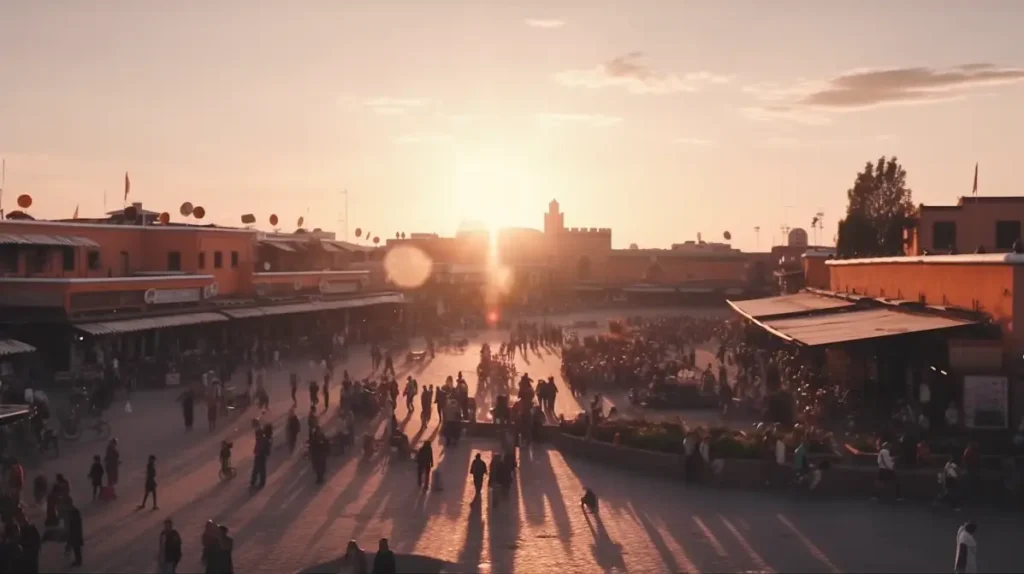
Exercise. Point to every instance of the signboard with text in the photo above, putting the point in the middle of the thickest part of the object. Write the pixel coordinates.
(986, 401)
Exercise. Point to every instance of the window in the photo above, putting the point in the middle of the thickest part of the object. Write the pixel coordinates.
(218, 260)
(944, 235)
(8, 258)
(1007, 233)
(93, 260)
(67, 257)
(174, 261)
(234, 260)
(202, 260)
(38, 259)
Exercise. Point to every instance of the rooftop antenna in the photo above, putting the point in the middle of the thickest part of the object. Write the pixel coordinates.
(343, 216)
(757, 237)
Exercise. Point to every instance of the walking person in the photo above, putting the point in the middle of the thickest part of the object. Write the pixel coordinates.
(293, 382)
(260, 452)
(478, 469)
(966, 550)
(188, 406)
(112, 464)
(327, 390)
(292, 429)
(354, 561)
(169, 551)
(96, 476)
(150, 484)
(886, 474)
(31, 542)
(76, 534)
(424, 462)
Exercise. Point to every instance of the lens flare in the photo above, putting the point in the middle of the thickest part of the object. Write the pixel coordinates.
(407, 266)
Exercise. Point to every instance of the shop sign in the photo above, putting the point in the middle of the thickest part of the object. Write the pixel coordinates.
(169, 296)
(986, 402)
(337, 287)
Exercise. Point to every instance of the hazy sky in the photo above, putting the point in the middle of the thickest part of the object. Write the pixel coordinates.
(660, 119)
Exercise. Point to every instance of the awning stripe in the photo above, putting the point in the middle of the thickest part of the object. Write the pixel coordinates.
(14, 347)
(149, 323)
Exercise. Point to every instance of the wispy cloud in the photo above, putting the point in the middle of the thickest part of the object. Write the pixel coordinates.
(696, 142)
(629, 72)
(424, 138)
(547, 24)
(590, 120)
(394, 106)
(787, 141)
(814, 101)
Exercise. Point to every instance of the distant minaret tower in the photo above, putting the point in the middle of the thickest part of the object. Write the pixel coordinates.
(554, 219)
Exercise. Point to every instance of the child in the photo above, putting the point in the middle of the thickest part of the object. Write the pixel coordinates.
(96, 476)
(589, 501)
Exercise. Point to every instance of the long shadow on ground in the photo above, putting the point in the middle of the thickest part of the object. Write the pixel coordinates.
(407, 563)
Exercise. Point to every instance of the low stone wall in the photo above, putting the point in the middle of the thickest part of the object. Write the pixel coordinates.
(839, 480)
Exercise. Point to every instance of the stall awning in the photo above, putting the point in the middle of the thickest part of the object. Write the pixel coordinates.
(362, 301)
(846, 326)
(288, 309)
(14, 347)
(13, 413)
(243, 313)
(331, 248)
(149, 323)
(787, 305)
(283, 246)
(47, 240)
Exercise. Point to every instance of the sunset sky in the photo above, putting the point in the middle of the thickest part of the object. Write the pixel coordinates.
(660, 119)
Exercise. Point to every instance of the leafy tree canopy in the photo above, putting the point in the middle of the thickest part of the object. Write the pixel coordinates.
(880, 207)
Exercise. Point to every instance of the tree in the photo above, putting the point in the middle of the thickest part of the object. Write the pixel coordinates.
(880, 207)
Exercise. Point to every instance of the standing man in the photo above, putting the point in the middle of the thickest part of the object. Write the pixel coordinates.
(170, 548)
(259, 461)
(293, 381)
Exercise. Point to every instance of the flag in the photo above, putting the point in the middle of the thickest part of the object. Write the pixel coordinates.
(975, 190)
(127, 186)
(75, 216)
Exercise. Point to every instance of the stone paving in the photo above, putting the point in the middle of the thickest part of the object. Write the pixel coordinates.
(646, 524)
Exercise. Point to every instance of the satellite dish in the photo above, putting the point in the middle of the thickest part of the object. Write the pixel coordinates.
(376, 240)
(165, 218)
(199, 212)
(273, 219)
(300, 222)
(24, 201)
(248, 219)
(130, 213)
(359, 232)
(186, 209)
(727, 235)
(266, 266)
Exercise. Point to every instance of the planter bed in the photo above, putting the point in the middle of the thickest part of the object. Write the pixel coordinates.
(746, 473)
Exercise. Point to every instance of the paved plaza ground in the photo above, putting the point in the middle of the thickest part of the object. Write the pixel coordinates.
(646, 524)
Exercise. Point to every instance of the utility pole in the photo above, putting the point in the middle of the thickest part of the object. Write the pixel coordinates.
(757, 237)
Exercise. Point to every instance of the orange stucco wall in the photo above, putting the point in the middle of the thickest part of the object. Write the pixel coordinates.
(816, 273)
(985, 288)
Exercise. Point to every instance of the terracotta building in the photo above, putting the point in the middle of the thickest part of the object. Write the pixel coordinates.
(988, 224)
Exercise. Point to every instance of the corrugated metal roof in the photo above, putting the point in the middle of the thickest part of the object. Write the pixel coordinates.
(349, 246)
(829, 328)
(788, 305)
(288, 309)
(282, 245)
(48, 240)
(243, 313)
(362, 301)
(14, 347)
(149, 323)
